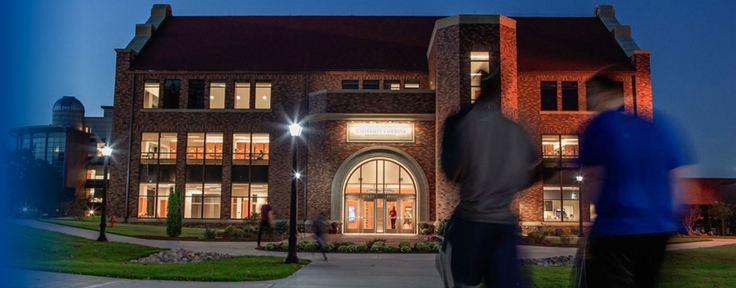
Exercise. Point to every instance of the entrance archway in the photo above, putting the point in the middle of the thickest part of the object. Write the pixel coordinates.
(380, 190)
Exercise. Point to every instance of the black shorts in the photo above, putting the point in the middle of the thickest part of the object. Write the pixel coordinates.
(620, 261)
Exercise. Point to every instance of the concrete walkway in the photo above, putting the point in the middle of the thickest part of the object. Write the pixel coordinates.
(342, 270)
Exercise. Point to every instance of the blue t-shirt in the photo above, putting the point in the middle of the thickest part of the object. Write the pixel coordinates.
(636, 194)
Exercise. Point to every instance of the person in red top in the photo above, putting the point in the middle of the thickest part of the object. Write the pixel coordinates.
(266, 216)
(392, 213)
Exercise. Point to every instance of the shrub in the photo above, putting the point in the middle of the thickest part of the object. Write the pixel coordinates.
(311, 246)
(281, 227)
(371, 242)
(329, 247)
(210, 233)
(233, 232)
(377, 248)
(433, 246)
(173, 217)
(574, 231)
(404, 244)
(271, 246)
(536, 237)
(391, 249)
(421, 246)
(361, 248)
(284, 246)
(300, 246)
(566, 239)
(342, 249)
(405, 249)
(344, 243)
(351, 248)
(441, 228)
(559, 232)
(423, 226)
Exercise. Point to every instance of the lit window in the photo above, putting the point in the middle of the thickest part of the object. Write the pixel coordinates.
(391, 84)
(263, 95)
(479, 60)
(411, 84)
(242, 95)
(150, 94)
(247, 199)
(217, 95)
(560, 146)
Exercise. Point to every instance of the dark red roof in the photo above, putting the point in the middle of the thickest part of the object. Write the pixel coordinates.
(338, 43)
(289, 43)
(567, 44)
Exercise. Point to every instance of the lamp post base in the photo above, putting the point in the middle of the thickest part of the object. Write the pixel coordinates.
(291, 259)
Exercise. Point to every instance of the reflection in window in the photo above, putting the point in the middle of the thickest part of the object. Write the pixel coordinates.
(150, 94)
(242, 95)
(263, 95)
(171, 94)
(479, 60)
(217, 95)
(371, 84)
(569, 96)
(196, 94)
(560, 146)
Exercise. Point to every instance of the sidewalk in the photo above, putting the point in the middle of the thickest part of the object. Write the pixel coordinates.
(343, 270)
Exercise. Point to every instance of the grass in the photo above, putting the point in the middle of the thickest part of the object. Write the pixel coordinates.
(678, 240)
(703, 267)
(555, 241)
(93, 223)
(37, 249)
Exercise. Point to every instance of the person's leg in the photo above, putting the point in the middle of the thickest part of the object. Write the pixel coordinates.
(610, 262)
(649, 260)
(460, 258)
(260, 232)
(499, 252)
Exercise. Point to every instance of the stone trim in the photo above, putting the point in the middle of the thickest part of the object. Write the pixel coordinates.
(380, 151)
(372, 91)
(369, 116)
(207, 110)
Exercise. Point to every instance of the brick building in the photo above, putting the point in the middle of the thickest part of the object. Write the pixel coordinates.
(203, 103)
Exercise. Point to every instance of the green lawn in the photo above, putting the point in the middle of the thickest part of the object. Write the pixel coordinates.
(37, 249)
(703, 267)
(677, 240)
(93, 223)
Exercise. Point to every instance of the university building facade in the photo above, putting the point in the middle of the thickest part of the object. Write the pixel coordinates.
(203, 103)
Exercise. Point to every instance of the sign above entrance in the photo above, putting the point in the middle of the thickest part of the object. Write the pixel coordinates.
(380, 132)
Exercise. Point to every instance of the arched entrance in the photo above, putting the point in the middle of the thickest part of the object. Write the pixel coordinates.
(380, 190)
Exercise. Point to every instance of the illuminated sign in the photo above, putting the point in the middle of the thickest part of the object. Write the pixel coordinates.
(380, 132)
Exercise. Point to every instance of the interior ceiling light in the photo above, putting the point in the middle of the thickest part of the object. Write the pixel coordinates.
(212, 96)
(264, 97)
(237, 97)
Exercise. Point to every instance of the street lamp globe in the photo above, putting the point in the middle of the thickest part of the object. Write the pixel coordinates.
(297, 175)
(106, 151)
(295, 129)
(579, 178)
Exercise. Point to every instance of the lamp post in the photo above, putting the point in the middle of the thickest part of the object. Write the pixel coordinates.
(106, 152)
(295, 130)
(580, 200)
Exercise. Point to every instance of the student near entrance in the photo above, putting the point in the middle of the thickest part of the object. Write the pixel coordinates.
(392, 214)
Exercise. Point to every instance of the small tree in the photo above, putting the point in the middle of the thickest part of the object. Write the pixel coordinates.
(721, 211)
(689, 216)
(173, 217)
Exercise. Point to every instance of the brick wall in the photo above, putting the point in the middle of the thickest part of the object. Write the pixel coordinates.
(360, 102)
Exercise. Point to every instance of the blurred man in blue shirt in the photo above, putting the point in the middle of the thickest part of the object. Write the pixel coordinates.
(628, 165)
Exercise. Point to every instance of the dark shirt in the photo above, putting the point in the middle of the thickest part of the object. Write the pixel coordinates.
(264, 212)
(637, 156)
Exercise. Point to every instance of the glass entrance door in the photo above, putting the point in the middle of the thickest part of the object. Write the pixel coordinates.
(368, 224)
(392, 215)
(380, 216)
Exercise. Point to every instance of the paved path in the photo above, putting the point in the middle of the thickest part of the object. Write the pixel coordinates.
(343, 270)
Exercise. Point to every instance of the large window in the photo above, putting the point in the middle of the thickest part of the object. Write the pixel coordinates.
(569, 96)
(561, 194)
(157, 173)
(350, 84)
(371, 84)
(549, 95)
(263, 95)
(560, 146)
(150, 94)
(171, 94)
(217, 95)
(242, 95)
(391, 84)
(56, 146)
(203, 175)
(249, 173)
(196, 94)
(479, 60)
(39, 146)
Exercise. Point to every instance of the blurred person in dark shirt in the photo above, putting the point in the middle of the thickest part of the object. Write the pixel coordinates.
(628, 165)
(491, 158)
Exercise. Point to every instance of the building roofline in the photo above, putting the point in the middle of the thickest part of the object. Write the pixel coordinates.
(469, 19)
(144, 32)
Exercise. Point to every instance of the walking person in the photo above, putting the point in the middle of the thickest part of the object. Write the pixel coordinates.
(266, 216)
(491, 159)
(628, 164)
(318, 228)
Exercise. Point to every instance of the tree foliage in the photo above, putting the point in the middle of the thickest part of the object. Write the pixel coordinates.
(174, 215)
(721, 211)
(689, 216)
(33, 184)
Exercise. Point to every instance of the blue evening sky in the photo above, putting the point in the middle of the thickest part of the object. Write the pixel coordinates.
(57, 48)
